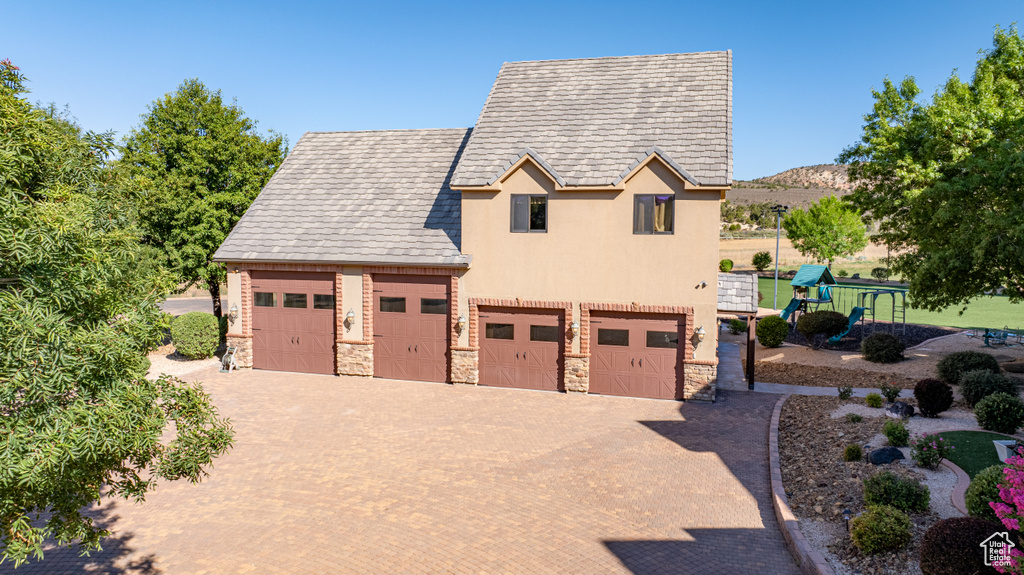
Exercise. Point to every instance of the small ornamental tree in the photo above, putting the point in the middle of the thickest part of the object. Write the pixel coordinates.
(829, 229)
(78, 314)
(1010, 508)
(761, 261)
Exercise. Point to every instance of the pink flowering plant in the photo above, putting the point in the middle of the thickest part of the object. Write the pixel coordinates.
(1011, 510)
(929, 450)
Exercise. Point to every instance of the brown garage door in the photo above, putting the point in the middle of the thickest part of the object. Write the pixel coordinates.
(637, 355)
(293, 321)
(521, 349)
(410, 324)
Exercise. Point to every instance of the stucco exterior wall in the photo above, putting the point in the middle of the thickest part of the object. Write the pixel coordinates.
(589, 252)
(234, 298)
(351, 300)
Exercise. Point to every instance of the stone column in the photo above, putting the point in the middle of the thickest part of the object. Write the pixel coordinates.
(243, 349)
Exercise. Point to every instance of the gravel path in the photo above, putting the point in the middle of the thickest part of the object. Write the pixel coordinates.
(167, 361)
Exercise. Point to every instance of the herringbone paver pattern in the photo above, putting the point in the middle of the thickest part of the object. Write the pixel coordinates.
(353, 475)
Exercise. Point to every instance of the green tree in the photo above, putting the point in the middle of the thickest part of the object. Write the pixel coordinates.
(201, 162)
(944, 179)
(78, 314)
(827, 230)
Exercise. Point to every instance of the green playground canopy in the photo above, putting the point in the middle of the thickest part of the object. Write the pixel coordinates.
(810, 275)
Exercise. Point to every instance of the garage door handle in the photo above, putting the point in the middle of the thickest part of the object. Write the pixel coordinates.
(410, 348)
(416, 349)
(298, 340)
(631, 362)
(517, 355)
(293, 340)
(641, 362)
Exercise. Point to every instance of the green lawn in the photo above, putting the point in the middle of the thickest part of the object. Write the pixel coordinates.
(974, 450)
(987, 311)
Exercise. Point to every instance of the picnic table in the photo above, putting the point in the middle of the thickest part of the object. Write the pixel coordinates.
(994, 337)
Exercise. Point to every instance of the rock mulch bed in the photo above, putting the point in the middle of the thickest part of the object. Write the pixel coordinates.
(819, 484)
(824, 376)
(915, 335)
(167, 361)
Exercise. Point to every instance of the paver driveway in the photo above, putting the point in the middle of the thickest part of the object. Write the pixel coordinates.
(352, 475)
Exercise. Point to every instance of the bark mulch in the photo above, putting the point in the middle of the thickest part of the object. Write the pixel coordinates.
(824, 376)
(915, 335)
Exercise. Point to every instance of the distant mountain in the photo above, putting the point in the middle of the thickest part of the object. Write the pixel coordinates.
(797, 187)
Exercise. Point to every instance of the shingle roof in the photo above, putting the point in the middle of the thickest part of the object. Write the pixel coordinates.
(591, 119)
(377, 197)
(737, 293)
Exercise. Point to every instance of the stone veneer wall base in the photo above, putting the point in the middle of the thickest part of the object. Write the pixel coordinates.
(243, 350)
(465, 366)
(700, 382)
(355, 359)
(577, 374)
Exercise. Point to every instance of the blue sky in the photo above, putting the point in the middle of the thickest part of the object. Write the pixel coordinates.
(802, 72)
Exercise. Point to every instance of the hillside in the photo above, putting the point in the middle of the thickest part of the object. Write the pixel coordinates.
(797, 187)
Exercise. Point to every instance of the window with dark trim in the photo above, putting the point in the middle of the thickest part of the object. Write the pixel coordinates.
(296, 300)
(607, 336)
(544, 333)
(263, 299)
(653, 214)
(392, 304)
(663, 339)
(323, 301)
(529, 213)
(435, 306)
(499, 331)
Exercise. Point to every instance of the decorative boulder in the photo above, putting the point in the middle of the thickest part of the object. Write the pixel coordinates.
(885, 455)
(900, 409)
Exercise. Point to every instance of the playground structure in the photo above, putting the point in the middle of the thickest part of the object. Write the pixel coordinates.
(859, 303)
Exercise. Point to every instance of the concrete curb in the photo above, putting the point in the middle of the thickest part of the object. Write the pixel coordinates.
(959, 493)
(810, 561)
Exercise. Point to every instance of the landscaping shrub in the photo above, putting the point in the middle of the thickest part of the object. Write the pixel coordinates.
(845, 392)
(929, 450)
(195, 334)
(880, 274)
(1000, 412)
(843, 273)
(953, 546)
(896, 433)
(725, 265)
(881, 528)
(737, 326)
(953, 366)
(882, 348)
(887, 488)
(933, 397)
(978, 384)
(852, 453)
(761, 261)
(873, 400)
(854, 417)
(818, 325)
(734, 228)
(890, 391)
(984, 489)
(772, 331)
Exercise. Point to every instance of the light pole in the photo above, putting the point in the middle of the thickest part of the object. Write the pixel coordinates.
(778, 209)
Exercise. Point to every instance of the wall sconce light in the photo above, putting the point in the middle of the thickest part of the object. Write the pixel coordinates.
(460, 323)
(702, 285)
(350, 318)
(233, 313)
(574, 329)
(700, 334)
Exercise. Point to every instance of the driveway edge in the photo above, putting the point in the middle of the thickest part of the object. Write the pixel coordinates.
(810, 561)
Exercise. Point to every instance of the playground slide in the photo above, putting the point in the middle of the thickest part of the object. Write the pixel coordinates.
(855, 315)
(793, 304)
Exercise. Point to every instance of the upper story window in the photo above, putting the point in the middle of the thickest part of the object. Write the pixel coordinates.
(529, 213)
(653, 214)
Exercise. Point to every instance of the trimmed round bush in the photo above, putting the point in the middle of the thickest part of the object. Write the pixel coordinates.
(896, 433)
(873, 400)
(852, 453)
(1000, 412)
(933, 397)
(772, 331)
(737, 326)
(195, 334)
(887, 488)
(881, 528)
(882, 348)
(955, 365)
(953, 546)
(823, 322)
(978, 384)
(725, 266)
(761, 261)
(984, 489)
